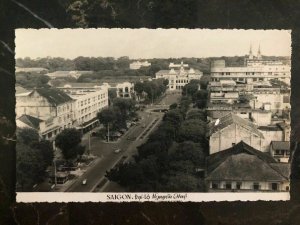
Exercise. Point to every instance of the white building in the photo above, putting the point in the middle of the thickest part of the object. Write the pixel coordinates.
(51, 107)
(179, 75)
(255, 69)
(138, 64)
(123, 90)
(63, 74)
(89, 100)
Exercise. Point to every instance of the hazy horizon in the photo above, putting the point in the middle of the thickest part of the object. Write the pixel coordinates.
(150, 43)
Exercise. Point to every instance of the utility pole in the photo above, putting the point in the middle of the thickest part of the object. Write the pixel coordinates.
(89, 142)
(55, 177)
(107, 132)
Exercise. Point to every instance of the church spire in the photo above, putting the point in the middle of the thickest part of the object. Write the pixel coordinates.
(250, 52)
(258, 52)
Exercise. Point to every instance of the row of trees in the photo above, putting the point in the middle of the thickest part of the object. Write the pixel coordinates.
(196, 90)
(172, 155)
(115, 116)
(33, 157)
(150, 89)
(31, 80)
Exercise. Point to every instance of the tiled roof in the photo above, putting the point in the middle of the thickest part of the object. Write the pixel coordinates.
(214, 160)
(283, 168)
(245, 167)
(54, 96)
(30, 121)
(20, 90)
(230, 119)
(280, 145)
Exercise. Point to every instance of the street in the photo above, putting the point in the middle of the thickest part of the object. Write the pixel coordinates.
(105, 151)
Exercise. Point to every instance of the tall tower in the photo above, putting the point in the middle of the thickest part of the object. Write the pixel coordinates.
(258, 53)
(250, 52)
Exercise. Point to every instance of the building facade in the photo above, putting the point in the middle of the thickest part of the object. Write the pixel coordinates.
(89, 100)
(139, 64)
(255, 69)
(178, 75)
(123, 90)
(242, 168)
(52, 107)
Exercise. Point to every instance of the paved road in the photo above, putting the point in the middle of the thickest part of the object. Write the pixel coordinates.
(106, 150)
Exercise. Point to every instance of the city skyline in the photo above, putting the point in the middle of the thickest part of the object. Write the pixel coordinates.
(148, 43)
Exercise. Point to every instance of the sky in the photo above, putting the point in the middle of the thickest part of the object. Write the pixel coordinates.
(149, 43)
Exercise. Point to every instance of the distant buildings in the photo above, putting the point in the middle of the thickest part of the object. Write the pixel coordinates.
(31, 69)
(139, 64)
(63, 74)
(255, 69)
(249, 131)
(179, 75)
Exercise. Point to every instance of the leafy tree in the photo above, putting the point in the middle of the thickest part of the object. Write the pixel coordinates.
(191, 88)
(189, 151)
(107, 116)
(27, 135)
(173, 106)
(196, 114)
(174, 117)
(45, 147)
(112, 94)
(182, 182)
(30, 167)
(200, 98)
(68, 141)
(192, 130)
(139, 89)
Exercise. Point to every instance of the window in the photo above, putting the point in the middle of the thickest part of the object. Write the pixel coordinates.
(274, 186)
(228, 185)
(238, 185)
(287, 188)
(256, 186)
(215, 185)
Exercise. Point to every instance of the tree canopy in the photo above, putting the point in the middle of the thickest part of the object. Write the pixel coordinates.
(69, 142)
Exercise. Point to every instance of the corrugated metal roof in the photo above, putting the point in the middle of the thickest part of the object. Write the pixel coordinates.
(54, 96)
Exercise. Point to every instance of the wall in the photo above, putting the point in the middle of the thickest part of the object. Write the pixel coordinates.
(224, 139)
(248, 185)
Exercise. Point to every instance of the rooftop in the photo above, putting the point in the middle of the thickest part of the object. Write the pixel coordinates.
(30, 121)
(280, 145)
(245, 167)
(54, 96)
(214, 160)
(230, 119)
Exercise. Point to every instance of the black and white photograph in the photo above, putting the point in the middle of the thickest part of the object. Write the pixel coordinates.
(153, 110)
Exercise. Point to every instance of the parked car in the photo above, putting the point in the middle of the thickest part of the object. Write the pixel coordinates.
(84, 181)
(118, 150)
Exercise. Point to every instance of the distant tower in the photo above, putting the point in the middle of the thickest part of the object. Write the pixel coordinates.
(258, 53)
(250, 52)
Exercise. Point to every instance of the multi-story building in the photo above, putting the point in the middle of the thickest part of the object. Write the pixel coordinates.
(123, 90)
(178, 75)
(53, 106)
(90, 99)
(255, 69)
(138, 64)
(260, 95)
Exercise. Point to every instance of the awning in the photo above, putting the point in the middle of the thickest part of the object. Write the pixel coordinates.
(88, 123)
